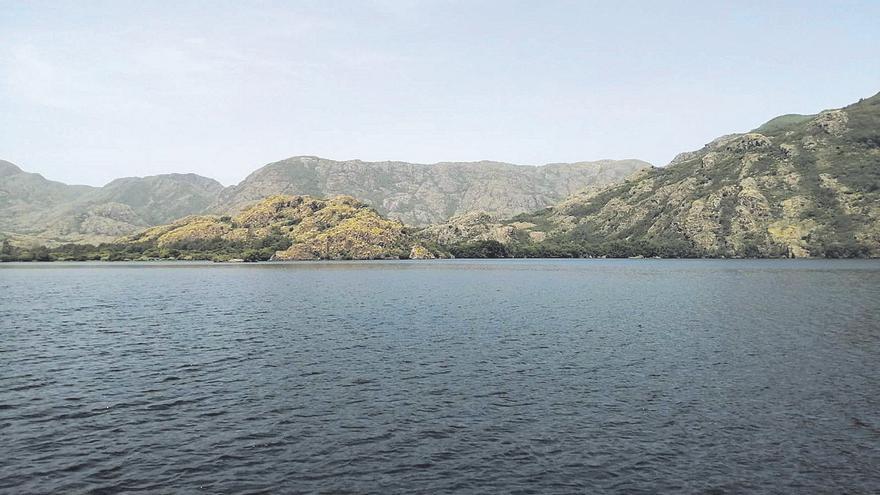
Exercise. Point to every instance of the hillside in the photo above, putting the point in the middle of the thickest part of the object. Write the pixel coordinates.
(802, 186)
(28, 200)
(281, 228)
(796, 186)
(131, 204)
(424, 194)
(36, 210)
(43, 211)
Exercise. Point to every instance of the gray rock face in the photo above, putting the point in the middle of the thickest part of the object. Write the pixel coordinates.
(804, 186)
(425, 194)
(52, 212)
(163, 198)
(476, 226)
(832, 122)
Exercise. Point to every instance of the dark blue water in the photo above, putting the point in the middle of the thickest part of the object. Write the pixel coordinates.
(436, 377)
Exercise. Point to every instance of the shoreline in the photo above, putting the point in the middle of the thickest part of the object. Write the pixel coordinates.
(405, 260)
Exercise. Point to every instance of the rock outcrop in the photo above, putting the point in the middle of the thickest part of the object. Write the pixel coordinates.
(291, 228)
(477, 226)
(420, 195)
(52, 212)
(800, 185)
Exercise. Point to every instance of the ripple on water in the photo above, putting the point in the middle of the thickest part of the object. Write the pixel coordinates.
(447, 377)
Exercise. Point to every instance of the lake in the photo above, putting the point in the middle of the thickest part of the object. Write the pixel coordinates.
(505, 376)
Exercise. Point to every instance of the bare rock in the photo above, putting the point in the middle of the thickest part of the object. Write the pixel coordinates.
(831, 122)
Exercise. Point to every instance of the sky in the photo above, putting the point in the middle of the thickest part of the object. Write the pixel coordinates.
(94, 90)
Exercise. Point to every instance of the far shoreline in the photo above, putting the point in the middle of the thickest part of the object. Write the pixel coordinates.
(404, 260)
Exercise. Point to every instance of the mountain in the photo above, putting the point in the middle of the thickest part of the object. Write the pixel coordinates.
(130, 204)
(45, 211)
(799, 185)
(161, 198)
(27, 199)
(278, 228)
(424, 194)
(282, 228)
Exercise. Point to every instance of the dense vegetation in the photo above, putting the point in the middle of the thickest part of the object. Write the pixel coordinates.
(567, 248)
(264, 250)
(261, 250)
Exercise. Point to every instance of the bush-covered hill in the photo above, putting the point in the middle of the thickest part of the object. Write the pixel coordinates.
(277, 228)
(804, 186)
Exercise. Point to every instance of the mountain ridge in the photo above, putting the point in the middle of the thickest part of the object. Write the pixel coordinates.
(415, 193)
(808, 186)
(421, 194)
(799, 185)
(45, 211)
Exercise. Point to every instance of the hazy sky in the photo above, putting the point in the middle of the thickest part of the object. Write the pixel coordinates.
(93, 90)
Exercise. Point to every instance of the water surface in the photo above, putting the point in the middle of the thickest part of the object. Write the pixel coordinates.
(506, 376)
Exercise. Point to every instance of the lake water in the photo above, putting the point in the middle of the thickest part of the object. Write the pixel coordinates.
(505, 376)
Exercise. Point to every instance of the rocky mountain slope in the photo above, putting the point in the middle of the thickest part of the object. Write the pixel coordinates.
(49, 212)
(131, 204)
(799, 185)
(424, 194)
(283, 228)
(28, 199)
(32, 207)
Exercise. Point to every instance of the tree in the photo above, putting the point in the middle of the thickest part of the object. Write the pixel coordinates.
(479, 249)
